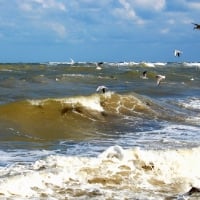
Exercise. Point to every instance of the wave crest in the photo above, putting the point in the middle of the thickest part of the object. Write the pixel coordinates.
(73, 117)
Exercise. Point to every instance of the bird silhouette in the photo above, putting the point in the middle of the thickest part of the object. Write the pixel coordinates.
(196, 26)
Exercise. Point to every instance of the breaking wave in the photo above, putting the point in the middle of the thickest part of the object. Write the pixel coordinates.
(114, 174)
(74, 117)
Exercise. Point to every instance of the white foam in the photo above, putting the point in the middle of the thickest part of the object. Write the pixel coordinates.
(76, 75)
(192, 64)
(148, 64)
(116, 171)
(10, 157)
(36, 102)
(113, 152)
(92, 102)
(6, 70)
(193, 103)
(194, 119)
(160, 63)
(123, 63)
(170, 136)
(55, 63)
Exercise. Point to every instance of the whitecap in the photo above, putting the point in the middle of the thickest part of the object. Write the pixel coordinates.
(92, 102)
(148, 64)
(191, 64)
(191, 104)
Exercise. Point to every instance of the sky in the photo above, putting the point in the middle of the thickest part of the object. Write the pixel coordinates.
(104, 30)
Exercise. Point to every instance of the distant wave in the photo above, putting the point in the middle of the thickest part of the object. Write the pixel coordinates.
(191, 64)
(143, 64)
(152, 64)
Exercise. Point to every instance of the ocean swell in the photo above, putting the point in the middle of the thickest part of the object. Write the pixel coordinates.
(70, 117)
(77, 117)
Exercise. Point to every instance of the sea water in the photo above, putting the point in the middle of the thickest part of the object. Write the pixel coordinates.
(61, 139)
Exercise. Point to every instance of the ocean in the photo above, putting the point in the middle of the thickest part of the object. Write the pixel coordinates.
(62, 139)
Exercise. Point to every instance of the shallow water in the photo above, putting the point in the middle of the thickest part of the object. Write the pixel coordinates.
(60, 139)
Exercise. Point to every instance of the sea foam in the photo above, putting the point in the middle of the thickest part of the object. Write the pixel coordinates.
(131, 171)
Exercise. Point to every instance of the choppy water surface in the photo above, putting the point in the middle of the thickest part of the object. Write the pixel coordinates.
(60, 139)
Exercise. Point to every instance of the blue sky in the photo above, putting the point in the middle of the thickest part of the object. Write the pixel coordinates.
(104, 30)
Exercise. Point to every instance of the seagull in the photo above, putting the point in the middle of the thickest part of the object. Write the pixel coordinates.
(196, 26)
(101, 88)
(72, 61)
(159, 79)
(144, 75)
(177, 53)
(98, 65)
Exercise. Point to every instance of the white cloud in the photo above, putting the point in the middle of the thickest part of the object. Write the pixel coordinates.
(165, 31)
(39, 12)
(194, 5)
(34, 5)
(156, 5)
(58, 28)
(25, 6)
(187, 4)
(51, 4)
(131, 9)
(94, 2)
(127, 12)
(171, 21)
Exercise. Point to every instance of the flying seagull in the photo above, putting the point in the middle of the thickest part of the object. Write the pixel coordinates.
(98, 65)
(177, 53)
(144, 75)
(159, 79)
(101, 88)
(196, 26)
(72, 61)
